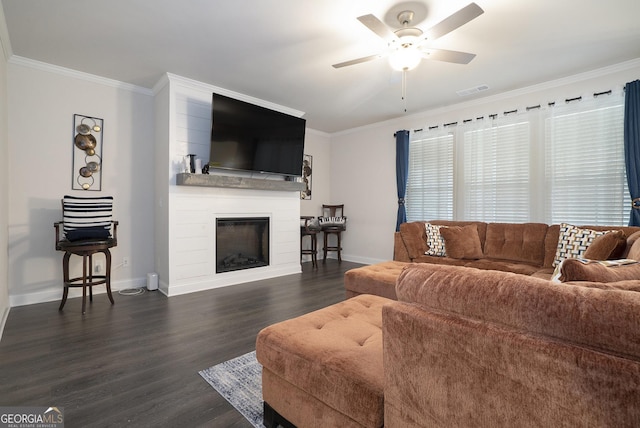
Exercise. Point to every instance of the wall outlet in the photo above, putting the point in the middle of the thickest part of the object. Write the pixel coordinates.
(125, 261)
(98, 266)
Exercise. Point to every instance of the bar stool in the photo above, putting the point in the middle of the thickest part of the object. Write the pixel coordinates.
(333, 222)
(309, 228)
(88, 229)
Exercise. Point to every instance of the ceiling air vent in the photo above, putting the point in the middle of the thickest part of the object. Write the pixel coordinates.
(471, 91)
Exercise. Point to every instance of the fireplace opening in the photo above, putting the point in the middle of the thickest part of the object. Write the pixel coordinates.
(241, 243)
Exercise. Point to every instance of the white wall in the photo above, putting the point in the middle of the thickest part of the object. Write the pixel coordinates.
(4, 175)
(318, 145)
(363, 159)
(42, 101)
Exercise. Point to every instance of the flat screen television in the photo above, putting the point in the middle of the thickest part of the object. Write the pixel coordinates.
(247, 137)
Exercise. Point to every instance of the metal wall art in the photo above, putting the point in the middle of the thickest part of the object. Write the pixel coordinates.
(307, 165)
(87, 153)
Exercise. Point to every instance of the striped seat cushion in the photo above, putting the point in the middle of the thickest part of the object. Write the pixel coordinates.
(87, 218)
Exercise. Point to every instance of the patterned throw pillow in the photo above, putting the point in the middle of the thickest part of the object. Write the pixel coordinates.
(435, 241)
(574, 241)
(87, 217)
(332, 221)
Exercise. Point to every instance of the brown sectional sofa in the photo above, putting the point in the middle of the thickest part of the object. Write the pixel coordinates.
(466, 347)
(524, 248)
(527, 249)
(465, 342)
(461, 347)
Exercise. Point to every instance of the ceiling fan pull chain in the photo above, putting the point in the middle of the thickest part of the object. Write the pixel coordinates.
(404, 89)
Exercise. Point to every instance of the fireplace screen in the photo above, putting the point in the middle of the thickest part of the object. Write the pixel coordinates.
(241, 243)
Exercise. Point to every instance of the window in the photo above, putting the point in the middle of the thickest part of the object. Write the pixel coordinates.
(562, 164)
(429, 193)
(496, 173)
(585, 167)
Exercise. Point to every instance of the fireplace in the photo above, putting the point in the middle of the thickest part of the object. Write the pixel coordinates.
(241, 243)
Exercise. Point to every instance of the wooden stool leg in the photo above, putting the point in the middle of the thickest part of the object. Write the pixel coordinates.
(338, 234)
(314, 249)
(65, 279)
(84, 284)
(324, 258)
(107, 255)
(90, 277)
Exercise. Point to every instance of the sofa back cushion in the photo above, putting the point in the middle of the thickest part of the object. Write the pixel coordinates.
(611, 245)
(522, 242)
(414, 237)
(414, 234)
(462, 242)
(605, 319)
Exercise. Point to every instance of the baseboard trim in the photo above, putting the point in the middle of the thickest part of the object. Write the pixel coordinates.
(231, 278)
(3, 321)
(54, 293)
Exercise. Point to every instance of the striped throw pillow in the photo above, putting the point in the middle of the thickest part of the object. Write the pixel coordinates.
(332, 221)
(87, 218)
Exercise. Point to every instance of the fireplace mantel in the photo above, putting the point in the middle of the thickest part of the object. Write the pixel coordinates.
(237, 182)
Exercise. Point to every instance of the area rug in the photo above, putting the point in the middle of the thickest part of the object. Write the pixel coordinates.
(239, 381)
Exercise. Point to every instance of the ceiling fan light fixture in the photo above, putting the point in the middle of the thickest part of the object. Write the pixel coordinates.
(405, 58)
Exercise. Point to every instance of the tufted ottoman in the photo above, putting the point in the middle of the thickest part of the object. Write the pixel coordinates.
(325, 368)
(379, 279)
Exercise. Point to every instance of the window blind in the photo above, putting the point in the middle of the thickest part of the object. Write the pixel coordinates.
(496, 173)
(585, 169)
(557, 164)
(430, 180)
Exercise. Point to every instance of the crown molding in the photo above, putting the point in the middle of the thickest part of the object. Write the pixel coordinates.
(319, 133)
(552, 84)
(197, 86)
(68, 72)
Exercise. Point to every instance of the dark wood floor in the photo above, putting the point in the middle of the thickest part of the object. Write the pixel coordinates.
(136, 363)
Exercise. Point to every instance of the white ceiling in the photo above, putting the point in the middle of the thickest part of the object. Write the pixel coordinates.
(282, 50)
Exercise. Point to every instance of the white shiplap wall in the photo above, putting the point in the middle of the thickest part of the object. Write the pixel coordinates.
(192, 211)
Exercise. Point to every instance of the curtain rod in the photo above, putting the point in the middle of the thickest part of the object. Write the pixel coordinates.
(505, 113)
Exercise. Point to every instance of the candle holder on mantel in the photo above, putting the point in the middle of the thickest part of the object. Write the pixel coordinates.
(87, 153)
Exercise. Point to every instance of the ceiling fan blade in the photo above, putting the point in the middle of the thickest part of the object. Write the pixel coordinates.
(458, 19)
(358, 60)
(448, 56)
(378, 27)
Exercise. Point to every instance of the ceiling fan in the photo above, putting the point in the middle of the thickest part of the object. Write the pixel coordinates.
(406, 45)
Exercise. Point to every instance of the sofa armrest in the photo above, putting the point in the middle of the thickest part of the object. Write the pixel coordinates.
(400, 252)
(446, 369)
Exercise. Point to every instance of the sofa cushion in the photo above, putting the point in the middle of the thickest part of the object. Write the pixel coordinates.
(378, 279)
(414, 238)
(543, 273)
(634, 251)
(333, 354)
(584, 270)
(440, 260)
(574, 241)
(504, 266)
(631, 239)
(462, 242)
(521, 242)
(551, 245)
(435, 241)
(611, 245)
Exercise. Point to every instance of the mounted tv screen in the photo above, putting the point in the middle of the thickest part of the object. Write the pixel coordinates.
(247, 137)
